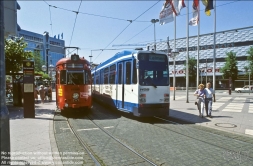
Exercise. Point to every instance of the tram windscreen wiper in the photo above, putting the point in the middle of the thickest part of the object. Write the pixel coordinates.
(153, 85)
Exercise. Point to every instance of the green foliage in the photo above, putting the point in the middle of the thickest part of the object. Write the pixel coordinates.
(15, 54)
(192, 69)
(250, 60)
(230, 69)
(38, 62)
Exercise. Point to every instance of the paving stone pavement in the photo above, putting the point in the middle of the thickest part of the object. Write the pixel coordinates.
(109, 151)
(71, 151)
(171, 144)
(230, 112)
(31, 138)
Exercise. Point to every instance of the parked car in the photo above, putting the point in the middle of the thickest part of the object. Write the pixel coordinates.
(245, 89)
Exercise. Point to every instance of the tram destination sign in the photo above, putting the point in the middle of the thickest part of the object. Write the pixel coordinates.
(157, 58)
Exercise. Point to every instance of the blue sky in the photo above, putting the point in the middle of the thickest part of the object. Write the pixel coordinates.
(93, 32)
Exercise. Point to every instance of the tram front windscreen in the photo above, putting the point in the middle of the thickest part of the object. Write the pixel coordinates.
(153, 69)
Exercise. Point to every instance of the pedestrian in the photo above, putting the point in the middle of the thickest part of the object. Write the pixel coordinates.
(36, 94)
(200, 93)
(49, 93)
(42, 93)
(210, 98)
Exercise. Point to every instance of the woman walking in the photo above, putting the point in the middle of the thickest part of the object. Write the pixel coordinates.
(42, 93)
(200, 93)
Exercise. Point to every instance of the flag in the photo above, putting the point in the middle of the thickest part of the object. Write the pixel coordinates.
(209, 6)
(177, 6)
(195, 8)
(170, 9)
(61, 35)
(166, 14)
(58, 36)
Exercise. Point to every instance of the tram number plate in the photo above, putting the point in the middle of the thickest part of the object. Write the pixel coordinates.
(83, 95)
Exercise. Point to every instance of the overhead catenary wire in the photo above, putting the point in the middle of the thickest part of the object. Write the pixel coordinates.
(138, 33)
(75, 23)
(51, 24)
(95, 15)
(127, 27)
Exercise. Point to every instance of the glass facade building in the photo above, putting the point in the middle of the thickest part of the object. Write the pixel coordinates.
(48, 46)
(236, 40)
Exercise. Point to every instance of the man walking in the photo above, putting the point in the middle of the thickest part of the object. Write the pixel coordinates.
(210, 98)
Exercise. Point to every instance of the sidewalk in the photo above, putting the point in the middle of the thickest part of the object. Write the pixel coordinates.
(232, 113)
(32, 140)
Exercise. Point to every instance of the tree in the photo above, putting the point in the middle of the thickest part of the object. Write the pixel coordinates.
(230, 69)
(15, 54)
(38, 62)
(192, 69)
(250, 61)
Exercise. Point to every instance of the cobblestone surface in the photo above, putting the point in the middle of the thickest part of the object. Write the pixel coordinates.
(71, 152)
(108, 150)
(171, 144)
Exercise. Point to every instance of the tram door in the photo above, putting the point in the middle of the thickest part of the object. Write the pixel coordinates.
(120, 86)
(124, 78)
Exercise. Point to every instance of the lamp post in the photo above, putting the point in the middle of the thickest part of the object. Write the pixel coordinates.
(173, 55)
(249, 81)
(51, 69)
(44, 68)
(246, 70)
(229, 82)
(154, 21)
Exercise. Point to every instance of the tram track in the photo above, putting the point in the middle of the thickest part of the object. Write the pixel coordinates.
(90, 152)
(95, 157)
(204, 130)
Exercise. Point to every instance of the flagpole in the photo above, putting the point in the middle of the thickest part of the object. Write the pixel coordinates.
(187, 54)
(214, 47)
(198, 46)
(174, 63)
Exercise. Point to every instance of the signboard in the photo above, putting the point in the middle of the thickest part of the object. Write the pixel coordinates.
(181, 73)
(28, 89)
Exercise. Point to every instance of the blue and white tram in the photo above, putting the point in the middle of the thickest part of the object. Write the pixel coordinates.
(134, 81)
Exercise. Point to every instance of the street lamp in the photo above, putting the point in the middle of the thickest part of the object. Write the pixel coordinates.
(51, 69)
(249, 78)
(44, 68)
(154, 21)
(229, 82)
(173, 55)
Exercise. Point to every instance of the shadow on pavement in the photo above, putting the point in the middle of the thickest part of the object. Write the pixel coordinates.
(18, 112)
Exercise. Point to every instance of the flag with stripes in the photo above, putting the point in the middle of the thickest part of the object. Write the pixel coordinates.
(195, 18)
(166, 14)
(177, 5)
(209, 6)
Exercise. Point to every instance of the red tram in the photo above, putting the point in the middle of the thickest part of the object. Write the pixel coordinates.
(73, 83)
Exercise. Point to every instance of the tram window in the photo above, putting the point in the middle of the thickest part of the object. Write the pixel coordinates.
(106, 74)
(120, 74)
(75, 78)
(63, 77)
(92, 76)
(134, 73)
(97, 79)
(128, 73)
(112, 74)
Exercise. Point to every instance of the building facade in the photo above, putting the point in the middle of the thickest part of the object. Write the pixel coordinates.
(48, 46)
(236, 40)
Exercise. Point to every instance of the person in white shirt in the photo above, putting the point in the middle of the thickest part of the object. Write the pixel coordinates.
(210, 98)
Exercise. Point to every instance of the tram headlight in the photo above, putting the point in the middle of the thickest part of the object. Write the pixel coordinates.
(66, 105)
(75, 95)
